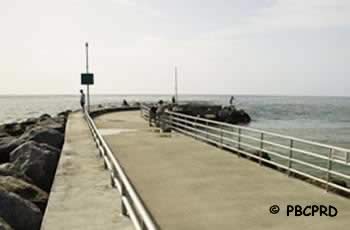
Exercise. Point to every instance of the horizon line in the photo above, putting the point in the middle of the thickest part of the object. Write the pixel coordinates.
(169, 94)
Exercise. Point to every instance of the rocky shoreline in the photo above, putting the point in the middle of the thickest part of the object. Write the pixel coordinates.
(29, 153)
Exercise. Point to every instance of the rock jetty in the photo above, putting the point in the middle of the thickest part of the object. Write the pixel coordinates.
(29, 153)
(227, 114)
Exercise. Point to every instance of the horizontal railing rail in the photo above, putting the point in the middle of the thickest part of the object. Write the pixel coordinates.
(131, 203)
(326, 164)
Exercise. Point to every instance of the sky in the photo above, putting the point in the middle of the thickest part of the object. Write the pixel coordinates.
(259, 47)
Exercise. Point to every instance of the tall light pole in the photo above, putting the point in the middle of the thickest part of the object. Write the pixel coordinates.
(87, 71)
(87, 78)
(176, 95)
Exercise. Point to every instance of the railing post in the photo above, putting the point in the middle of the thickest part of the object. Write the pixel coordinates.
(221, 137)
(105, 163)
(261, 147)
(112, 180)
(329, 168)
(113, 176)
(347, 157)
(207, 130)
(143, 226)
(239, 141)
(184, 123)
(98, 142)
(290, 156)
(195, 126)
(102, 151)
(123, 194)
(170, 121)
(93, 134)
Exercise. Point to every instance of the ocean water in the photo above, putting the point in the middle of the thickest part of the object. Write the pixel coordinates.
(321, 119)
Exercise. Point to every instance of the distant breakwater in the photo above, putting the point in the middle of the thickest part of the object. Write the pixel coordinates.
(102, 109)
(29, 153)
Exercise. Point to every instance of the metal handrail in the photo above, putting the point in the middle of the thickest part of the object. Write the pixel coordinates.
(344, 150)
(213, 132)
(262, 131)
(131, 203)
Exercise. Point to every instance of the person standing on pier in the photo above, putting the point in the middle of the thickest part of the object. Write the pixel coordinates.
(231, 100)
(152, 115)
(159, 113)
(82, 100)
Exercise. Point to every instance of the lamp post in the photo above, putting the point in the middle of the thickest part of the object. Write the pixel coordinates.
(87, 78)
(87, 71)
(176, 95)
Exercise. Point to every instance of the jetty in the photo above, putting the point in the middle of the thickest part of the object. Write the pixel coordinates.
(81, 196)
(201, 175)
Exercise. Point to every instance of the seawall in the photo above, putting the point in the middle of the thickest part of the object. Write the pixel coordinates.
(81, 195)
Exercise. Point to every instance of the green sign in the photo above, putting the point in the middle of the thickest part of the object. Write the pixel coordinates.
(87, 78)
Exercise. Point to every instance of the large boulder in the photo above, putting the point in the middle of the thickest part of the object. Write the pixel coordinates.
(46, 130)
(64, 115)
(29, 123)
(45, 135)
(19, 213)
(25, 190)
(13, 129)
(37, 161)
(56, 123)
(16, 129)
(4, 225)
(233, 116)
(3, 134)
(8, 169)
(228, 114)
(7, 144)
(44, 116)
(196, 109)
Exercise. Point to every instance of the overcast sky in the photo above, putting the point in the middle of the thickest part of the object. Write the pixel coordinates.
(289, 47)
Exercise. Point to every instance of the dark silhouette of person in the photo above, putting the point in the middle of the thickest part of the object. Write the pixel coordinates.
(82, 100)
(231, 100)
(125, 103)
(152, 115)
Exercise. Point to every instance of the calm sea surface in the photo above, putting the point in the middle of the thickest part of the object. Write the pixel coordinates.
(322, 119)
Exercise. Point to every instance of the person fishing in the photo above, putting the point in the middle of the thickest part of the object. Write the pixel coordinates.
(152, 115)
(82, 100)
(160, 114)
(231, 100)
(125, 103)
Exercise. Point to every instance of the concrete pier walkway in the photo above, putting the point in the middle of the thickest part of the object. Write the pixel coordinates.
(187, 184)
(81, 196)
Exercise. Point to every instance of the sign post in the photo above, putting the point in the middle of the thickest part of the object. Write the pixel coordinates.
(176, 93)
(87, 78)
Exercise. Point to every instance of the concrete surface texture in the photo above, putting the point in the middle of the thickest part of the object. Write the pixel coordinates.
(188, 184)
(81, 196)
